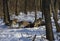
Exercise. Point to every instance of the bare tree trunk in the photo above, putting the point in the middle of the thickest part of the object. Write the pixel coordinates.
(16, 13)
(46, 9)
(35, 11)
(6, 12)
(59, 4)
(41, 8)
(55, 14)
(25, 10)
(40, 5)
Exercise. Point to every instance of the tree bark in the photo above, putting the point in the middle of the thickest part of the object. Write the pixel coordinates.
(6, 12)
(16, 13)
(55, 14)
(35, 11)
(41, 8)
(48, 24)
(25, 10)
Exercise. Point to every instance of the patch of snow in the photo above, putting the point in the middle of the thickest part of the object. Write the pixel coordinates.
(15, 25)
(59, 21)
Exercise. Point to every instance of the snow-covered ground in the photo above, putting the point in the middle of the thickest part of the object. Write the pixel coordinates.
(26, 34)
(23, 34)
(30, 17)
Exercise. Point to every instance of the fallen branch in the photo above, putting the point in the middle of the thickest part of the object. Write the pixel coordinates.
(34, 38)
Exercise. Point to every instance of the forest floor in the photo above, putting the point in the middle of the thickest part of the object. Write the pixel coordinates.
(26, 34)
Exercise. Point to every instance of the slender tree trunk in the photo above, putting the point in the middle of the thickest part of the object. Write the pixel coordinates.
(55, 14)
(41, 8)
(6, 12)
(46, 9)
(59, 4)
(40, 5)
(35, 10)
(25, 10)
(16, 13)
